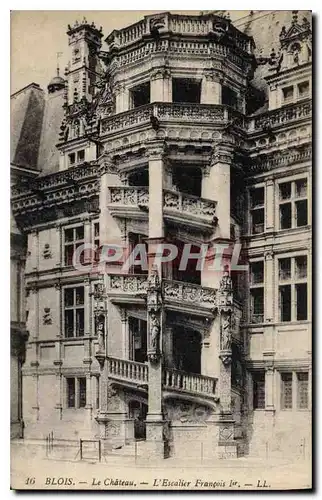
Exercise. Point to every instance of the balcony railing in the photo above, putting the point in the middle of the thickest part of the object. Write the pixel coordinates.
(188, 204)
(183, 381)
(173, 23)
(55, 180)
(173, 291)
(285, 114)
(129, 196)
(128, 370)
(168, 111)
(189, 294)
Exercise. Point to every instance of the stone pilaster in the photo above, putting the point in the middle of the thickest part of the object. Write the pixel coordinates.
(269, 285)
(87, 239)
(125, 334)
(58, 350)
(168, 347)
(59, 253)
(161, 90)
(269, 205)
(87, 307)
(211, 88)
(122, 98)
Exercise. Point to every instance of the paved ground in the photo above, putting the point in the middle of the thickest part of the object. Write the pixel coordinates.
(36, 471)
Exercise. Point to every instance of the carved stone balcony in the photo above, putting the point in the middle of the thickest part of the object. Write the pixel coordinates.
(183, 208)
(187, 297)
(123, 288)
(177, 295)
(129, 202)
(133, 202)
(282, 116)
(135, 375)
(169, 113)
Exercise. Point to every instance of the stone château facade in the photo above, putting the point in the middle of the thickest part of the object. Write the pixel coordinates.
(187, 130)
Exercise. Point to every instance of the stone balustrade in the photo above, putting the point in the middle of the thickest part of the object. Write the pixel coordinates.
(285, 114)
(188, 293)
(190, 382)
(127, 370)
(178, 24)
(176, 380)
(187, 204)
(166, 111)
(129, 196)
(54, 180)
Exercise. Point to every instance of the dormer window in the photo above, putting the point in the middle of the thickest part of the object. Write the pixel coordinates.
(288, 94)
(76, 158)
(303, 90)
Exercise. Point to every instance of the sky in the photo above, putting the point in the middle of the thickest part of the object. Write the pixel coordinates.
(37, 37)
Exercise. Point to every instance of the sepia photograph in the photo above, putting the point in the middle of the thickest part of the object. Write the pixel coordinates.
(161, 250)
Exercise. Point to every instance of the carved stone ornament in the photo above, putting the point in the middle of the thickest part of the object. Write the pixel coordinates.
(100, 331)
(47, 319)
(225, 293)
(154, 307)
(225, 330)
(226, 358)
(46, 253)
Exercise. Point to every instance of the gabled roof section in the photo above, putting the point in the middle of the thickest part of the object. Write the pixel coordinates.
(48, 158)
(297, 31)
(27, 111)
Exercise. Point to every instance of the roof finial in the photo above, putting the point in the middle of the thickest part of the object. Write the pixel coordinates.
(58, 54)
(295, 16)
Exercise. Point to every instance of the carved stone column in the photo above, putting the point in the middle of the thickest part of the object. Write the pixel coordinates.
(154, 421)
(227, 445)
(155, 152)
(216, 186)
(211, 88)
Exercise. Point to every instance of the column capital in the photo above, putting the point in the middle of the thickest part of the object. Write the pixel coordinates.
(155, 149)
(213, 75)
(223, 153)
(268, 254)
(107, 166)
(160, 73)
